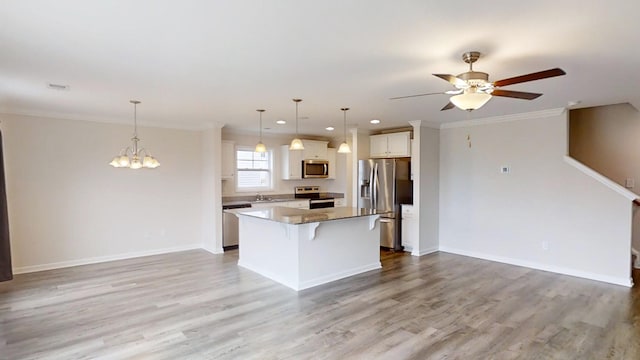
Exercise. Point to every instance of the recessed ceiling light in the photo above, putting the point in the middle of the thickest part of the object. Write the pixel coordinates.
(329, 128)
(375, 121)
(57, 86)
(281, 122)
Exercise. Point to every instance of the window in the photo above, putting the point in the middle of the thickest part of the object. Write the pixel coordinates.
(253, 169)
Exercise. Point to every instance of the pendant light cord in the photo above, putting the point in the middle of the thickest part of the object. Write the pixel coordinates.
(297, 101)
(344, 110)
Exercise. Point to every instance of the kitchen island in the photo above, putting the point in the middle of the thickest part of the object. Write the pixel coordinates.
(303, 248)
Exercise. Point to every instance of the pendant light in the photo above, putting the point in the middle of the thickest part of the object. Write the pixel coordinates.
(260, 148)
(344, 147)
(131, 157)
(296, 144)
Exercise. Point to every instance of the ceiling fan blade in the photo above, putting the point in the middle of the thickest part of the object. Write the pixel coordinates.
(448, 106)
(452, 79)
(530, 77)
(515, 94)
(410, 96)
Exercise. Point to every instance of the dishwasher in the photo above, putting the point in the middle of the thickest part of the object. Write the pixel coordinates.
(230, 226)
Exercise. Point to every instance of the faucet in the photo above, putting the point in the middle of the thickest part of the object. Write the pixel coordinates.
(259, 197)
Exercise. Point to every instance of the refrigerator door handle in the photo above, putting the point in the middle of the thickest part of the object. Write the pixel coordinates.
(371, 187)
(374, 187)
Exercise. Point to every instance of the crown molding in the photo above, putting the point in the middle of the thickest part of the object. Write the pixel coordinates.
(87, 118)
(424, 123)
(504, 118)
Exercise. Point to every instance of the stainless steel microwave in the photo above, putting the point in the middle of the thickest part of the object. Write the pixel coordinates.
(313, 169)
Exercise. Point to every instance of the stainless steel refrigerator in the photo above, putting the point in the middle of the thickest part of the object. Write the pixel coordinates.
(384, 184)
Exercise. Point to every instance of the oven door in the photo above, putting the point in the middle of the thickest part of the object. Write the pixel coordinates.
(321, 204)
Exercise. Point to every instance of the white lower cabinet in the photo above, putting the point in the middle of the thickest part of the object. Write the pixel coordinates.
(409, 228)
(341, 202)
(298, 204)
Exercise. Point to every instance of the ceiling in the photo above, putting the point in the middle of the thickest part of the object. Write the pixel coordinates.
(194, 63)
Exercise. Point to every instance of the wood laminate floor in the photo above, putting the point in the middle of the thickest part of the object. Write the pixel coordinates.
(195, 305)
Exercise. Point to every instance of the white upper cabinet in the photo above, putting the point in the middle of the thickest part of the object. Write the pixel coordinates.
(228, 160)
(315, 150)
(378, 145)
(291, 163)
(390, 145)
(331, 157)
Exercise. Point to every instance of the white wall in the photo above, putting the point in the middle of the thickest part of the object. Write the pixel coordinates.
(544, 200)
(211, 197)
(284, 186)
(68, 206)
(425, 166)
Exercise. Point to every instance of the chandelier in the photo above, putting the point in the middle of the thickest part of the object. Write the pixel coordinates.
(132, 157)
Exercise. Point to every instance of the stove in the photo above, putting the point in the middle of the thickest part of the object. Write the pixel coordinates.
(316, 200)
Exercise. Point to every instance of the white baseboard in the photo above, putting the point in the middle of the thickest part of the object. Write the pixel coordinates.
(628, 282)
(215, 251)
(100, 259)
(424, 251)
(301, 285)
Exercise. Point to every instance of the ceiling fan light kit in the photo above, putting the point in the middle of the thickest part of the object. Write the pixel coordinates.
(473, 89)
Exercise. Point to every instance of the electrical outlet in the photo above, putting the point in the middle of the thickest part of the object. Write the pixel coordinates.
(545, 245)
(505, 169)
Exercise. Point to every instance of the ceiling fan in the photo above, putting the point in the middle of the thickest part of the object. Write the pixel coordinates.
(473, 89)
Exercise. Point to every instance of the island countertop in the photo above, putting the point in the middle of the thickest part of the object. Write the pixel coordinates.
(303, 216)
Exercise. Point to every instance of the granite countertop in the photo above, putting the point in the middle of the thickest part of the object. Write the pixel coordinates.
(273, 198)
(302, 216)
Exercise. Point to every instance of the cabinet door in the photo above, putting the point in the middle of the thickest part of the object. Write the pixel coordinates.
(341, 202)
(228, 160)
(264, 205)
(331, 158)
(291, 163)
(409, 228)
(399, 144)
(316, 150)
(378, 145)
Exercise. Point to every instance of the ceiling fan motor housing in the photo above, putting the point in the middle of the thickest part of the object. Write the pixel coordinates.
(474, 78)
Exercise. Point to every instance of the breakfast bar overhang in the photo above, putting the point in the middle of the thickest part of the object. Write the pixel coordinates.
(304, 248)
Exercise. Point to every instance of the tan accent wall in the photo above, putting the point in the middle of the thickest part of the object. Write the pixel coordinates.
(607, 139)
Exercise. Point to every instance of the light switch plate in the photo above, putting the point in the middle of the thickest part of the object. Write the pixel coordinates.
(629, 183)
(505, 169)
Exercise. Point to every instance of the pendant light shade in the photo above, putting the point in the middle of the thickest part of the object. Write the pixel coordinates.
(344, 147)
(260, 148)
(296, 144)
(132, 157)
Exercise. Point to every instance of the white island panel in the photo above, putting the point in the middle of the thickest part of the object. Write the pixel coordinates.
(303, 255)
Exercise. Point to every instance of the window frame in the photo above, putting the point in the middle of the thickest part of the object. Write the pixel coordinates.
(269, 171)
